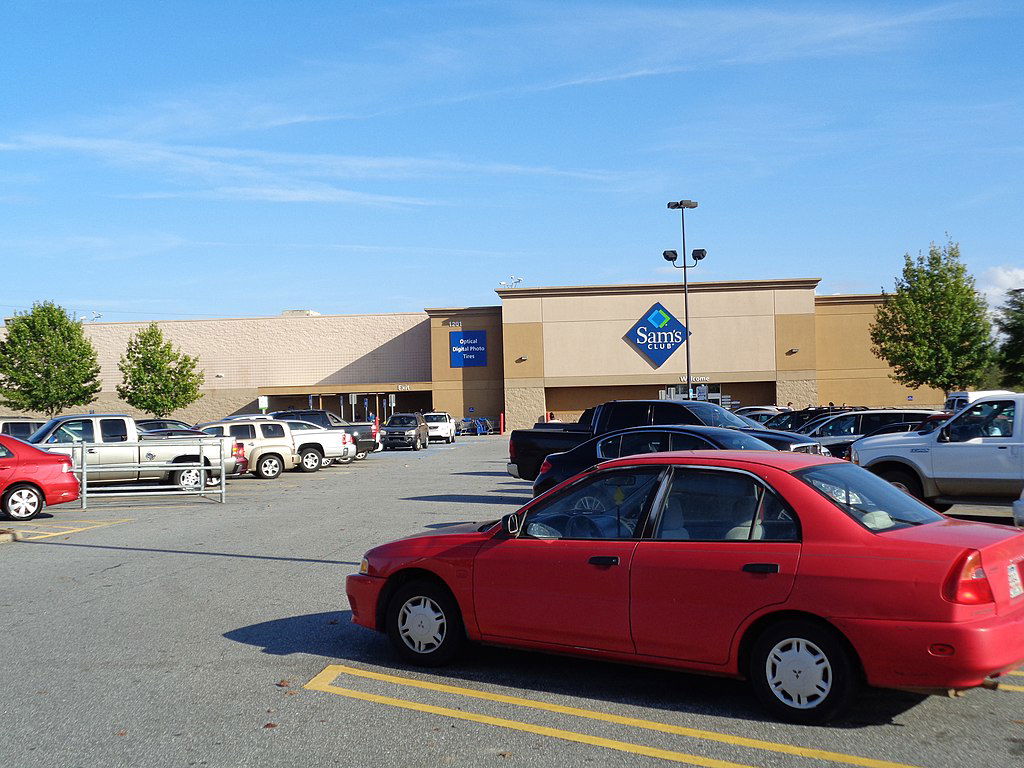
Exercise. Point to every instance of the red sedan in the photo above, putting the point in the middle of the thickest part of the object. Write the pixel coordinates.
(806, 575)
(31, 479)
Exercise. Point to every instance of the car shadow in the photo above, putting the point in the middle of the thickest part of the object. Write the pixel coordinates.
(482, 474)
(332, 636)
(469, 499)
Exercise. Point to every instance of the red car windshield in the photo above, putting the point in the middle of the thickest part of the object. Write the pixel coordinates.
(867, 498)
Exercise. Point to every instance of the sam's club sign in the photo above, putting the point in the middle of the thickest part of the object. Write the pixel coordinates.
(657, 335)
(467, 348)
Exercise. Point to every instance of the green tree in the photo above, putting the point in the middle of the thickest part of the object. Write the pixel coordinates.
(158, 379)
(46, 362)
(1010, 322)
(934, 329)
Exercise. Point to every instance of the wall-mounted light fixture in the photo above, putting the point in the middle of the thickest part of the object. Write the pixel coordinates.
(218, 375)
(522, 358)
(792, 350)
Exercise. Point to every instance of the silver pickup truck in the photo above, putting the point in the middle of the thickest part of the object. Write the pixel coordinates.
(114, 439)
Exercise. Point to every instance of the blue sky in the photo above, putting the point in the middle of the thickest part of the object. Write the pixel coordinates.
(231, 158)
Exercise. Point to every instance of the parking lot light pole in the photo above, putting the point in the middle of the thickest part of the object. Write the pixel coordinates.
(673, 257)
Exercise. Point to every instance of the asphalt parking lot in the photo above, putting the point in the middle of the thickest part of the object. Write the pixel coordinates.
(184, 632)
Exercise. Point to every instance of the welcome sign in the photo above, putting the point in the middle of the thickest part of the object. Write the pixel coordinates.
(657, 335)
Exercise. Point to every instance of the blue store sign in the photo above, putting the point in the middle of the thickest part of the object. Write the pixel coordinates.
(468, 348)
(657, 335)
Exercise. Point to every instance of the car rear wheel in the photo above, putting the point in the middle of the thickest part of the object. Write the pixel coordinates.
(416, 443)
(326, 462)
(424, 624)
(269, 467)
(187, 479)
(803, 672)
(360, 456)
(23, 502)
(309, 460)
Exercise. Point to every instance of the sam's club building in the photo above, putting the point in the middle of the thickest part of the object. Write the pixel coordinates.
(541, 350)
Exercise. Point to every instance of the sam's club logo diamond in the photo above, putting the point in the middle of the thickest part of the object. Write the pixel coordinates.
(657, 335)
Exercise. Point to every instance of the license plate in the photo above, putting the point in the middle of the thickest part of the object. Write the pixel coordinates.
(1013, 576)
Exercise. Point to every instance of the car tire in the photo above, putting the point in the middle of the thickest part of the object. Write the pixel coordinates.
(451, 439)
(360, 456)
(309, 460)
(269, 467)
(939, 506)
(187, 479)
(803, 672)
(424, 624)
(344, 460)
(326, 461)
(905, 480)
(23, 502)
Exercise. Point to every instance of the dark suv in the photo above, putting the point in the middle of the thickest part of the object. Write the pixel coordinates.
(406, 430)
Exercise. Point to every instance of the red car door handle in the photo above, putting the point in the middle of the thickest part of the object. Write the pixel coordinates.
(603, 560)
(761, 567)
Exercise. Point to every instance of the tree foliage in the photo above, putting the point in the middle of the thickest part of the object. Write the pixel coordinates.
(934, 329)
(158, 378)
(1010, 321)
(46, 362)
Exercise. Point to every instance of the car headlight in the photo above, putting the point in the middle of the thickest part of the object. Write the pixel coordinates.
(854, 457)
(825, 451)
(364, 566)
(410, 433)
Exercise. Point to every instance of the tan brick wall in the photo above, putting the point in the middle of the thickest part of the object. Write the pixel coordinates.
(524, 406)
(799, 392)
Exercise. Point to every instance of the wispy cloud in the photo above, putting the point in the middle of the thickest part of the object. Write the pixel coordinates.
(231, 173)
(537, 47)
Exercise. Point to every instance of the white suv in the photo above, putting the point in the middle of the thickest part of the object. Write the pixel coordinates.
(441, 426)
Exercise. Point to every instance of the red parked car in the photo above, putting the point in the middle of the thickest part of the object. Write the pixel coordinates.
(31, 479)
(806, 575)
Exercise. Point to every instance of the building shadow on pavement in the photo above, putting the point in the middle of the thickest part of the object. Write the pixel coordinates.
(333, 637)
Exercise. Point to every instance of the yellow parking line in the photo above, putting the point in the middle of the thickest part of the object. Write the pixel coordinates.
(323, 681)
(515, 725)
(35, 535)
(1014, 688)
(1016, 673)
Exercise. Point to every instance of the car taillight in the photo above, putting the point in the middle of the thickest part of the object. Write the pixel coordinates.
(238, 452)
(66, 467)
(511, 449)
(346, 438)
(967, 583)
(545, 466)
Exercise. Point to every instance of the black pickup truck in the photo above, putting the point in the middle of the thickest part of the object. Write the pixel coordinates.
(527, 448)
(361, 432)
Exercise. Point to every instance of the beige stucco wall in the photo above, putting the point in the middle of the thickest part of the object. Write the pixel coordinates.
(848, 371)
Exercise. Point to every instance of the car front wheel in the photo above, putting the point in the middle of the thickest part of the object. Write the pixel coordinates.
(803, 672)
(424, 624)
